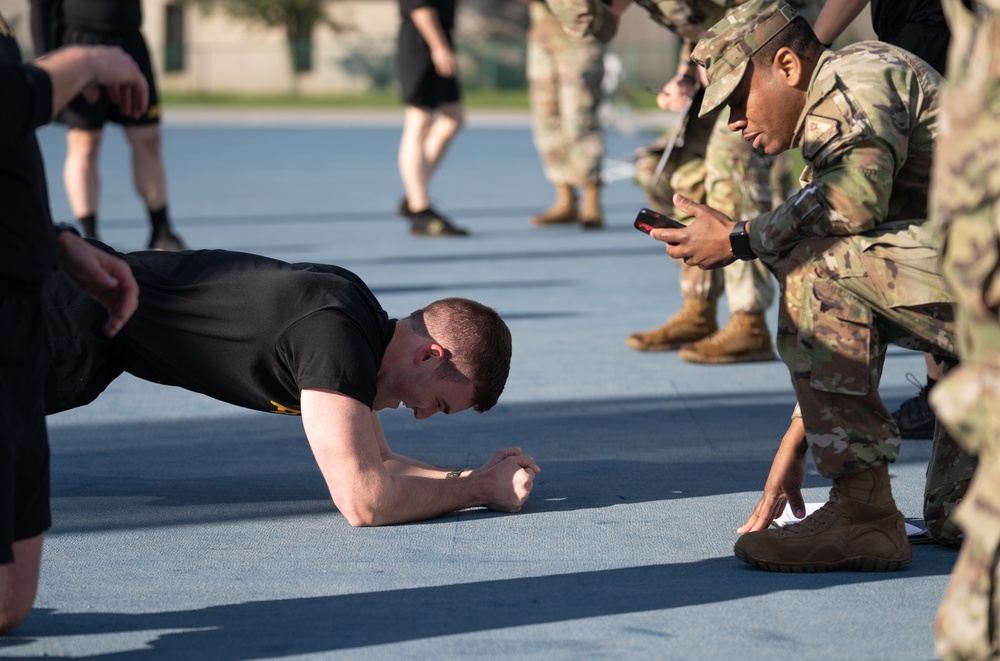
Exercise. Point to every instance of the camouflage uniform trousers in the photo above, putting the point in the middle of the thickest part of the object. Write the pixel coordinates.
(966, 204)
(564, 87)
(843, 300)
(717, 167)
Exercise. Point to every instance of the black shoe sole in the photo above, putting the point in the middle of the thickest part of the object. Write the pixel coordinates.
(866, 564)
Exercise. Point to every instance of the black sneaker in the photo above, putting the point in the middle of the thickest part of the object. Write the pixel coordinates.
(166, 240)
(915, 417)
(403, 210)
(431, 223)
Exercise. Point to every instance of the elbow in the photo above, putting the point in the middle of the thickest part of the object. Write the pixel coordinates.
(363, 511)
(359, 520)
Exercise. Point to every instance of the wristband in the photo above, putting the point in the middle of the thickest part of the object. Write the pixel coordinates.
(65, 227)
(739, 242)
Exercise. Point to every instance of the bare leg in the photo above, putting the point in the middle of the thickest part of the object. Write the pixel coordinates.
(19, 582)
(150, 178)
(148, 171)
(412, 162)
(425, 140)
(443, 130)
(81, 175)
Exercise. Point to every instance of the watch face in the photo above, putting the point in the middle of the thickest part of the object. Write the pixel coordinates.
(739, 242)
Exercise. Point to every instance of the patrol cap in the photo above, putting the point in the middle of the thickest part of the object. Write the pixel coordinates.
(726, 48)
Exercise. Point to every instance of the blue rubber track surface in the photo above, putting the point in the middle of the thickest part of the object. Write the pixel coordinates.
(187, 528)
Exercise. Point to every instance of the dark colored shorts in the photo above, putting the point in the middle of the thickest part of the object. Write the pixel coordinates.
(83, 361)
(421, 85)
(24, 445)
(81, 114)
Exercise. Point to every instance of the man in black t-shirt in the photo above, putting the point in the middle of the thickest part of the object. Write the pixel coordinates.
(29, 250)
(309, 340)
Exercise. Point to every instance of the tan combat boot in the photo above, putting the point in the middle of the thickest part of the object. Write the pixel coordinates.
(744, 339)
(591, 216)
(563, 211)
(695, 320)
(859, 528)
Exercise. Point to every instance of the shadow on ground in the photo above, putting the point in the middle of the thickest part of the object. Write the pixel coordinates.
(308, 625)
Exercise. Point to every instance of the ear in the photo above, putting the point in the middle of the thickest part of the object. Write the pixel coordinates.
(787, 67)
(429, 351)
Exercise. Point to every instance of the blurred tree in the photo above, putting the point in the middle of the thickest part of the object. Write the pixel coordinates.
(297, 18)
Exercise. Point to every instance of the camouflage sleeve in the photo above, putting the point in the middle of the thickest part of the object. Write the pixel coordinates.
(848, 197)
(853, 150)
(584, 18)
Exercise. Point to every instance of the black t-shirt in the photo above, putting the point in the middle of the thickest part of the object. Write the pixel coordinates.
(918, 26)
(254, 331)
(445, 10)
(889, 16)
(51, 18)
(27, 240)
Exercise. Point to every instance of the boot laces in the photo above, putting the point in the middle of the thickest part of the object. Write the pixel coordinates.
(818, 520)
(917, 406)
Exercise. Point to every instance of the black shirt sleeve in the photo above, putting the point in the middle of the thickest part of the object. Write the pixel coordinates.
(26, 102)
(328, 350)
(27, 241)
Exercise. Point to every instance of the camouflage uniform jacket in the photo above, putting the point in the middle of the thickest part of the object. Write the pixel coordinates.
(866, 133)
(688, 19)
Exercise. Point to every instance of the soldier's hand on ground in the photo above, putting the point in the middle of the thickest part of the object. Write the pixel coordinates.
(103, 277)
(784, 481)
(513, 477)
(704, 242)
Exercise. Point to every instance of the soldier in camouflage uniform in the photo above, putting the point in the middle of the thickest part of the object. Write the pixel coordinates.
(965, 205)
(564, 86)
(707, 161)
(858, 269)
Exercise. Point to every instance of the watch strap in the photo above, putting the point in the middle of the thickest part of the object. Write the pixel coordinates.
(65, 227)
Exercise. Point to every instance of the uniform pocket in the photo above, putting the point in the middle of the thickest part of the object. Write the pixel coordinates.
(839, 348)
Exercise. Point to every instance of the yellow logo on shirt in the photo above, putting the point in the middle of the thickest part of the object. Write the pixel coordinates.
(283, 410)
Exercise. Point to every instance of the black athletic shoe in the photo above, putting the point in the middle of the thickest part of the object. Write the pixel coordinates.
(431, 223)
(403, 210)
(166, 240)
(915, 417)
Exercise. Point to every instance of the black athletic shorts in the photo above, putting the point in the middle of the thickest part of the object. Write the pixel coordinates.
(83, 361)
(421, 84)
(80, 113)
(24, 445)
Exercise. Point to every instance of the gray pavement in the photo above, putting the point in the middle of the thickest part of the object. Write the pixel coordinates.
(187, 528)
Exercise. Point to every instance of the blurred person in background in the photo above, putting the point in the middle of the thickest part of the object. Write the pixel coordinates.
(56, 23)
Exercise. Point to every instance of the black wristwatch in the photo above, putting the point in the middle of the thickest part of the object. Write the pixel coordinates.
(739, 242)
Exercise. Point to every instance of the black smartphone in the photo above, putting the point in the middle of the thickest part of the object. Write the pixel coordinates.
(647, 220)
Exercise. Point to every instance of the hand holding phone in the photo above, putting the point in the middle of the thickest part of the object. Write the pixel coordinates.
(647, 220)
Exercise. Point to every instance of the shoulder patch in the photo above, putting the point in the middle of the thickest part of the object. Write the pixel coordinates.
(817, 133)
